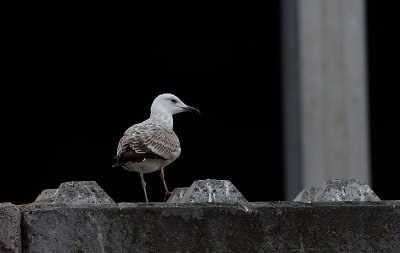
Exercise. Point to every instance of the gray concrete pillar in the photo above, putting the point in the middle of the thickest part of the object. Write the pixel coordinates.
(325, 92)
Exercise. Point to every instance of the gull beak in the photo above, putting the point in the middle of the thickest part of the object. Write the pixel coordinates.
(191, 110)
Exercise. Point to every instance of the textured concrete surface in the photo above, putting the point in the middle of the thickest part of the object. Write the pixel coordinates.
(213, 227)
(10, 230)
(82, 218)
(47, 195)
(211, 190)
(81, 192)
(177, 194)
(338, 190)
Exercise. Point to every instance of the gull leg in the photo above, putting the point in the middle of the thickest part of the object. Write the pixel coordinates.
(144, 187)
(167, 193)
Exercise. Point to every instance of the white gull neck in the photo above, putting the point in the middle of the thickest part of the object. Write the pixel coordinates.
(163, 116)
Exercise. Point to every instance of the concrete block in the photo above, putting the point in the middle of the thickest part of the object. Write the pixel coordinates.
(81, 192)
(211, 190)
(307, 194)
(10, 231)
(46, 195)
(213, 227)
(338, 190)
(177, 194)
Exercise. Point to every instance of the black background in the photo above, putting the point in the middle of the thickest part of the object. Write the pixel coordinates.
(79, 74)
(384, 101)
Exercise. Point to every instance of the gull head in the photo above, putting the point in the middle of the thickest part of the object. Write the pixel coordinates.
(171, 104)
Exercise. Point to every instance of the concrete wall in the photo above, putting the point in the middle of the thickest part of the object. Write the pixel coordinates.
(10, 229)
(210, 227)
(209, 216)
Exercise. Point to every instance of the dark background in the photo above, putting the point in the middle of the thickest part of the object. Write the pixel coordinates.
(79, 74)
(384, 97)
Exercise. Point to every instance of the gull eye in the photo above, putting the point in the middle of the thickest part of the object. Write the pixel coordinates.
(173, 100)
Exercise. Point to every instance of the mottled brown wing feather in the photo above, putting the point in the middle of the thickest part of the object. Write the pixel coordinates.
(150, 139)
(163, 143)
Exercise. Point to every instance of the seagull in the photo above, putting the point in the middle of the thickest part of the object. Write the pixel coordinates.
(151, 145)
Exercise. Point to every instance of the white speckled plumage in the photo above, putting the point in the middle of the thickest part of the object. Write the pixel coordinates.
(152, 144)
(154, 136)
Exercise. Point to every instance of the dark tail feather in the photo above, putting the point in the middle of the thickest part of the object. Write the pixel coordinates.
(118, 164)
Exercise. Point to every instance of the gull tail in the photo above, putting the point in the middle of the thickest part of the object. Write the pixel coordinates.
(117, 165)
